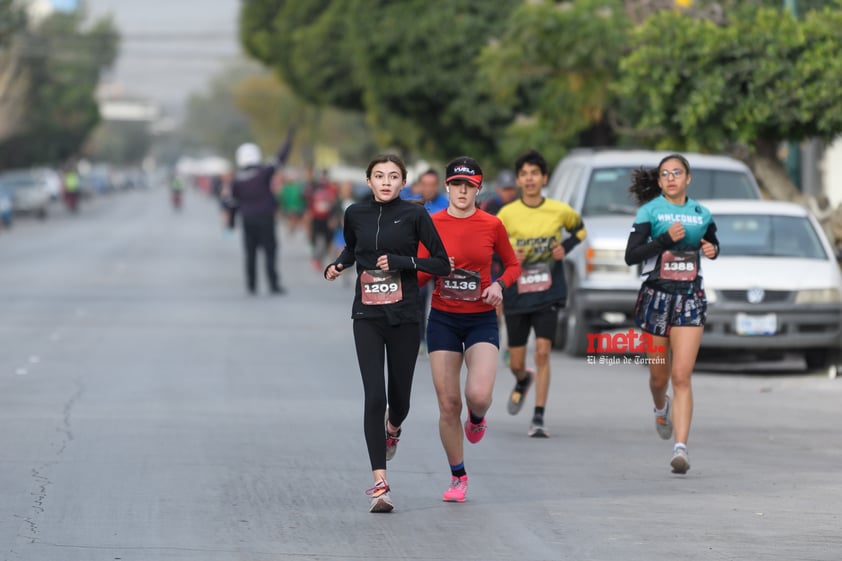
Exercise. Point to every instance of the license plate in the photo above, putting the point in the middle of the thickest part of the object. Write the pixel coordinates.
(757, 325)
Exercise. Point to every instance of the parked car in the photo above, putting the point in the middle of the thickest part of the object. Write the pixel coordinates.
(30, 192)
(776, 286)
(5, 207)
(602, 289)
(52, 181)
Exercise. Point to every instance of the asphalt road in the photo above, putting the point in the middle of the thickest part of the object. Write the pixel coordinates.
(151, 410)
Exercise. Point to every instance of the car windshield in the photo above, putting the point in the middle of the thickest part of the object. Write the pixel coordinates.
(754, 235)
(13, 182)
(608, 189)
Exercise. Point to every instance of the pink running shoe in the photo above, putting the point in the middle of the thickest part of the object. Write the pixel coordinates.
(457, 490)
(474, 432)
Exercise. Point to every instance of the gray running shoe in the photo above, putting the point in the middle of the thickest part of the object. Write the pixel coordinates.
(680, 460)
(381, 501)
(391, 441)
(663, 423)
(536, 428)
(519, 393)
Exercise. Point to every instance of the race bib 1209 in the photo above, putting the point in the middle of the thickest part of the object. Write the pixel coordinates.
(381, 287)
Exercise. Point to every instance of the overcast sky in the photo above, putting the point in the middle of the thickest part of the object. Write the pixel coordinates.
(171, 48)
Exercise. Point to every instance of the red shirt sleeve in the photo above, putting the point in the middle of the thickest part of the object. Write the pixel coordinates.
(503, 248)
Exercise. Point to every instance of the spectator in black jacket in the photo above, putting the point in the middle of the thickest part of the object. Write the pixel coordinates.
(251, 190)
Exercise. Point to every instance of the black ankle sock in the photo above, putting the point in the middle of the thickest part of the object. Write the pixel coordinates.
(458, 471)
(474, 419)
(539, 412)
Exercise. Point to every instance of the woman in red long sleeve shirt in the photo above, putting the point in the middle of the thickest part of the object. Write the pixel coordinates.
(463, 320)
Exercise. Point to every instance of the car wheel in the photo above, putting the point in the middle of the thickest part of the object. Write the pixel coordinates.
(577, 326)
(823, 359)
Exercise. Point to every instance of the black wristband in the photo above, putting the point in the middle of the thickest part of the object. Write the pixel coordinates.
(502, 283)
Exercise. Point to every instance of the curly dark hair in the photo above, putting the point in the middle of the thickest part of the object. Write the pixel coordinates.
(645, 186)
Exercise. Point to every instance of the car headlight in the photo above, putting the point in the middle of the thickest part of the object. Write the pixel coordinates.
(710, 294)
(818, 296)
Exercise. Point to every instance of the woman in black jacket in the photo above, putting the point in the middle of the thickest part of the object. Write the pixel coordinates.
(382, 236)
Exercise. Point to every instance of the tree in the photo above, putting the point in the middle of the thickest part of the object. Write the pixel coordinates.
(305, 43)
(411, 65)
(272, 108)
(245, 103)
(553, 67)
(12, 21)
(763, 78)
(492, 78)
(13, 80)
(418, 63)
(63, 64)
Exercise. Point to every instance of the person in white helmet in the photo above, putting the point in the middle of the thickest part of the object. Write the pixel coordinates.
(251, 190)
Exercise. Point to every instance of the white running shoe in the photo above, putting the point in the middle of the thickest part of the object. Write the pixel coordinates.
(663, 423)
(680, 460)
(536, 428)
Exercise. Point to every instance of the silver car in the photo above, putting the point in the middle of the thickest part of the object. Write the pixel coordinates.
(601, 288)
(776, 286)
(29, 190)
(5, 207)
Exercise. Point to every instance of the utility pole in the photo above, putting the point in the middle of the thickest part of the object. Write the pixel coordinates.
(793, 149)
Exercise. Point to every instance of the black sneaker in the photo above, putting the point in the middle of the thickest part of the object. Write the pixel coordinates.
(519, 393)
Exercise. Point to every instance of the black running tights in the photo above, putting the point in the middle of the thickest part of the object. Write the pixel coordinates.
(400, 343)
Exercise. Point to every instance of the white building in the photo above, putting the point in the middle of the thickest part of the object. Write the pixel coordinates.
(831, 172)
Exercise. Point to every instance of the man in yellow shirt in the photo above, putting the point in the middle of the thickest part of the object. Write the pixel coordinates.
(535, 225)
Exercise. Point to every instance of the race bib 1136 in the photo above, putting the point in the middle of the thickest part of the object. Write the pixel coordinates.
(461, 284)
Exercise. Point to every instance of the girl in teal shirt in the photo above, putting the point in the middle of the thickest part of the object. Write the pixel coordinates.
(670, 232)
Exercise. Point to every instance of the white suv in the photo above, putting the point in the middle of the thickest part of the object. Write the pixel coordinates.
(601, 288)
